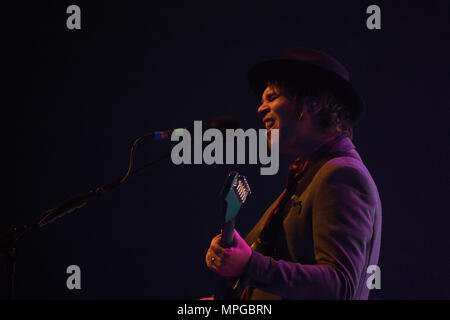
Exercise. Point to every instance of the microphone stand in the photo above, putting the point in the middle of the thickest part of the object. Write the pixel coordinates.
(8, 241)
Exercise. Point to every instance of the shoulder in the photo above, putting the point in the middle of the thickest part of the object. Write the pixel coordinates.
(346, 171)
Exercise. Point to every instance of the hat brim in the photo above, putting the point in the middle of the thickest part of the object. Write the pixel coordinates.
(311, 76)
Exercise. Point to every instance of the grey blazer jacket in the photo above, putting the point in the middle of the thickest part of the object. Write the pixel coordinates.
(331, 233)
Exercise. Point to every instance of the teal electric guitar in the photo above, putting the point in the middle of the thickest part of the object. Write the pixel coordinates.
(234, 193)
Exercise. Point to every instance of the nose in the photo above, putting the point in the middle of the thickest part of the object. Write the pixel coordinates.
(263, 110)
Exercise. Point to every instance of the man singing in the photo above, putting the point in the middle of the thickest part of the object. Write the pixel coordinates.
(318, 238)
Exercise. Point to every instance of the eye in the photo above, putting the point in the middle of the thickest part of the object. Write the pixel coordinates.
(272, 97)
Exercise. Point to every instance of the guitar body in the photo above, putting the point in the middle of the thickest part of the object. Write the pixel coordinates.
(233, 195)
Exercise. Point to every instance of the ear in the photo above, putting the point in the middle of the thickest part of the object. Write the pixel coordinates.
(314, 105)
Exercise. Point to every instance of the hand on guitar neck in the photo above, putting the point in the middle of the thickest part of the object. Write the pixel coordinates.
(228, 262)
(228, 253)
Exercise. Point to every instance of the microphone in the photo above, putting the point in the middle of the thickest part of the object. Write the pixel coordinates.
(219, 122)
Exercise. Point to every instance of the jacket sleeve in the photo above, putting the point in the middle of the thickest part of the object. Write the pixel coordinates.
(342, 226)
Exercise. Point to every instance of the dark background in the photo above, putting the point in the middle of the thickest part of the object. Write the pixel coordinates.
(81, 97)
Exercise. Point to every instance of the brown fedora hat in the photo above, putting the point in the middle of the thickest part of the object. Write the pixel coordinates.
(313, 69)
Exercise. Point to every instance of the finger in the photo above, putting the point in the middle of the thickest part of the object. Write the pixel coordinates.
(215, 259)
(216, 266)
(219, 250)
(212, 259)
(208, 258)
(214, 269)
(216, 239)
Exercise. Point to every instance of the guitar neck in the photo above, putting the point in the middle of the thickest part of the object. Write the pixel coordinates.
(234, 194)
(227, 238)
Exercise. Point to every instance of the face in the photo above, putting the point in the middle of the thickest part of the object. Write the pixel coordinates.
(279, 111)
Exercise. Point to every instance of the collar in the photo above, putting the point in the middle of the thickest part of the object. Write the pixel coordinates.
(299, 166)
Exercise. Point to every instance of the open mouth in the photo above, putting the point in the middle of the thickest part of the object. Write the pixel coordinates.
(269, 123)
